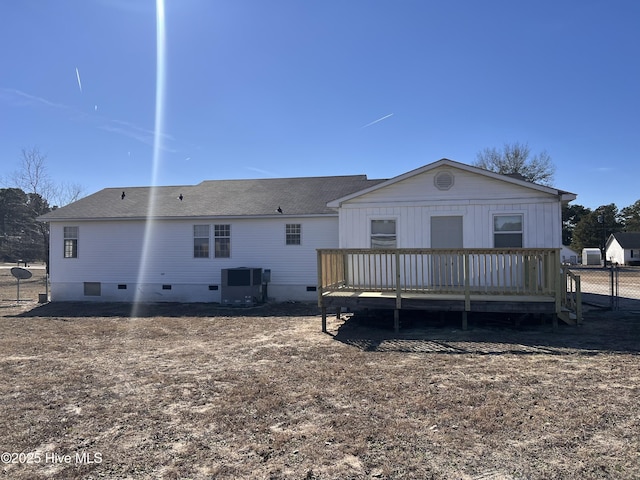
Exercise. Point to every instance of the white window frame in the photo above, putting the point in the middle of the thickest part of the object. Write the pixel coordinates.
(382, 236)
(70, 234)
(221, 235)
(198, 236)
(507, 232)
(293, 234)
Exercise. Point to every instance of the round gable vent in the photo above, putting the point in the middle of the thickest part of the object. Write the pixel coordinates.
(443, 180)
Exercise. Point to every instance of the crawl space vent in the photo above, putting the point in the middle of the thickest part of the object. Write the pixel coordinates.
(443, 180)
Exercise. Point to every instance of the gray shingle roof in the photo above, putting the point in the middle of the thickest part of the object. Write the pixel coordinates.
(216, 198)
(628, 239)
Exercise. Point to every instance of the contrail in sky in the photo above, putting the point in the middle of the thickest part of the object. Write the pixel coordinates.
(376, 121)
(78, 77)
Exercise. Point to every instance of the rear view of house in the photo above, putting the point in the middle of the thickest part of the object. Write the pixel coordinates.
(464, 226)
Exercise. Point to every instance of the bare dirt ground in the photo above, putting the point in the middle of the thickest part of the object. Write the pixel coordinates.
(200, 392)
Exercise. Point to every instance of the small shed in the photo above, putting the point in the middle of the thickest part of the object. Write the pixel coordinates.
(591, 256)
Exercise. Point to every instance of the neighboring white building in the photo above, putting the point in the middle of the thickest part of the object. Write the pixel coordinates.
(170, 244)
(568, 256)
(624, 248)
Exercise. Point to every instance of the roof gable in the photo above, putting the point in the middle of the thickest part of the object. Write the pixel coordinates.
(426, 183)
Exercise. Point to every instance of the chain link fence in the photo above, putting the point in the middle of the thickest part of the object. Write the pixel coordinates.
(611, 287)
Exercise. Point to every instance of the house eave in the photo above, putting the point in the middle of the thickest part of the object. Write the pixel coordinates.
(194, 217)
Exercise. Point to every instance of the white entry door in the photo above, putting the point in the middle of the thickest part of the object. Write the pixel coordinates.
(447, 268)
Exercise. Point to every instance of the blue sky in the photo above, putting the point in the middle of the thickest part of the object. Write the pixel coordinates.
(288, 88)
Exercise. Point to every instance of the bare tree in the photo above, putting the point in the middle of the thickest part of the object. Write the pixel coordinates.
(32, 176)
(515, 158)
(43, 193)
(67, 193)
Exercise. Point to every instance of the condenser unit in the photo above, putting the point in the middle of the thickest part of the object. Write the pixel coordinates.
(241, 287)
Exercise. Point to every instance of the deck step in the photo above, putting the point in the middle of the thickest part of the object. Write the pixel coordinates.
(568, 317)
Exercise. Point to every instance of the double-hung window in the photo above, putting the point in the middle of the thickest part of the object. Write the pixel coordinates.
(201, 241)
(70, 242)
(507, 231)
(383, 234)
(222, 241)
(293, 234)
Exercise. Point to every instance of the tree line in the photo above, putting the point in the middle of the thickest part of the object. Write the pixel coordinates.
(583, 227)
(22, 237)
(31, 193)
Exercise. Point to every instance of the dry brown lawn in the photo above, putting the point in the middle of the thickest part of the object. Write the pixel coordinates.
(199, 392)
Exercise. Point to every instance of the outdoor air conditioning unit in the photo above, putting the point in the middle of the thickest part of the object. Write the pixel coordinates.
(241, 287)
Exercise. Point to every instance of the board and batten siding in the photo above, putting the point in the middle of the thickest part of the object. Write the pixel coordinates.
(412, 203)
(111, 253)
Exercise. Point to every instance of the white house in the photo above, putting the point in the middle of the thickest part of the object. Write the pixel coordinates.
(624, 248)
(568, 256)
(172, 244)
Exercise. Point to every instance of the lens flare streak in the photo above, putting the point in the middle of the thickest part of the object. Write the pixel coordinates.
(147, 249)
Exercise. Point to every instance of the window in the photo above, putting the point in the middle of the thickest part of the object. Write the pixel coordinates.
(70, 242)
(293, 233)
(383, 234)
(222, 239)
(201, 241)
(507, 231)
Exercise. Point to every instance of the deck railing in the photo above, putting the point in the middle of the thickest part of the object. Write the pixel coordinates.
(520, 271)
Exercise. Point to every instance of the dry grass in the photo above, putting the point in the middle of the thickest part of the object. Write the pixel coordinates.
(198, 392)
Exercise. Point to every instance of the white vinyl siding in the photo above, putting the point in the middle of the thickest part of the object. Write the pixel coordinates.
(112, 253)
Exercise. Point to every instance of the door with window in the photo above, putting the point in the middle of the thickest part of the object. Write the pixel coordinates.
(447, 268)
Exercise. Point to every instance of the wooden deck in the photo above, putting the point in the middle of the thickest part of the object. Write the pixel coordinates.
(465, 280)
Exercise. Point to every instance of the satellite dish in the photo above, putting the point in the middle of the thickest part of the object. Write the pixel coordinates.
(20, 273)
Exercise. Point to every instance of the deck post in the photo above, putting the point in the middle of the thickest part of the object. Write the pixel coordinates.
(467, 282)
(398, 283)
(324, 319)
(464, 320)
(578, 301)
(396, 311)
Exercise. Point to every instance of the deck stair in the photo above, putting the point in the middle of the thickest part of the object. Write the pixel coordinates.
(571, 306)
